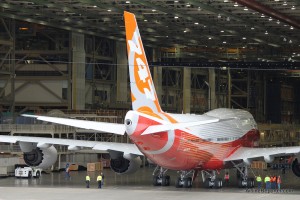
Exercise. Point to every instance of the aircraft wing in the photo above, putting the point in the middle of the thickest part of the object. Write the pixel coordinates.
(266, 153)
(92, 125)
(74, 144)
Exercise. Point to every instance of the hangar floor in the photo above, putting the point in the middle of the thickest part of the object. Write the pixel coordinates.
(135, 186)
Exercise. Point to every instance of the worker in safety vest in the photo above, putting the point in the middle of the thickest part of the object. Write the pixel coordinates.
(99, 180)
(273, 182)
(278, 182)
(226, 178)
(258, 180)
(267, 182)
(87, 181)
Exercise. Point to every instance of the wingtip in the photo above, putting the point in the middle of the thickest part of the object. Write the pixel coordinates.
(27, 115)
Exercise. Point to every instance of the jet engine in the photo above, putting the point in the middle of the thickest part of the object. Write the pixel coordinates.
(41, 156)
(126, 164)
(296, 167)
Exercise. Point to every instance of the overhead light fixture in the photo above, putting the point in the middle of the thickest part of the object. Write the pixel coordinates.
(219, 16)
(290, 41)
(224, 42)
(278, 22)
(262, 15)
(176, 17)
(284, 39)
(293, 8)
(175, 1)
(244, 38)
(199, 8)
(225, 1)
(184, 31)
(252, 28)
(209, 38)
(108, 10)
(95, 6)
(153, 10)
(196, 23)
(276, 0)
(235, 4)
(266, 33)
(145, 20)
(270, 19)
(222, 31)
(228, 19)
(188, 5)
(127, 2)
(284, 3)
(245, 8)
(292, 28)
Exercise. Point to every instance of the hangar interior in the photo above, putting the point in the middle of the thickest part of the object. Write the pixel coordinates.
(68, 58)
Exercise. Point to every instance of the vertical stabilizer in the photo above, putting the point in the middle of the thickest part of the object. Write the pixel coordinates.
(143, 94)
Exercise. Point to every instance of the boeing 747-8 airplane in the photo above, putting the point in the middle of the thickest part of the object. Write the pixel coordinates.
(219, 139)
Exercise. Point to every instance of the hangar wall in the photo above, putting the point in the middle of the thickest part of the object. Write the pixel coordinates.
(46, 61)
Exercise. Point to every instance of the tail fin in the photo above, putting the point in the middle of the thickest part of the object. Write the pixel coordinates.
(143, 94)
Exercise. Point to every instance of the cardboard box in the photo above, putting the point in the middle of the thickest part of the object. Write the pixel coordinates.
(73, 167)
(92, 167)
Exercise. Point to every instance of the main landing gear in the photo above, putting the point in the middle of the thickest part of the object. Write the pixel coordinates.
(184, 180)
(210, 179)
(160, 177)
(243, 180)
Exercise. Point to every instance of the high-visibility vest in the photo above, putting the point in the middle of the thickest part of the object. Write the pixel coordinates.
(87, 178)
(258, 179)
(267, 179)
(99, 178)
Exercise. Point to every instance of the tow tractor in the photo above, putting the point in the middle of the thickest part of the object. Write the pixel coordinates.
(27, 172)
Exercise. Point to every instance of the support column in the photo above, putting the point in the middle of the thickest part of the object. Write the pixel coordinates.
(212, 89)
(78, 70)
(186, 90)
(229, 89)
(122, 72)
(157, 74)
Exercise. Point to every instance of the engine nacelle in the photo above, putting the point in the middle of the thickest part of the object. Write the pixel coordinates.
(296, 167)
(35, 156)
(125, 164)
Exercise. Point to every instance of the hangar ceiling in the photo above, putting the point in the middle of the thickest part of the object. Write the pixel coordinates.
(265, 30)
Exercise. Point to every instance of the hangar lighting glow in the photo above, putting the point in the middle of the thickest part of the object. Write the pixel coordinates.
(293, 8)
(176, 17)
(127, 2)
(235, 4)
(284, 3)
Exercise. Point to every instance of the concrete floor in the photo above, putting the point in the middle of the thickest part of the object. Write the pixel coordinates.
(135, 186)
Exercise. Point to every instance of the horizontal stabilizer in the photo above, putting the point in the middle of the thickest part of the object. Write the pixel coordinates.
(166, 127)
(118, 129)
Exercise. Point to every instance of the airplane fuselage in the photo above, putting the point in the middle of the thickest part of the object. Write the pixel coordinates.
(198, 147)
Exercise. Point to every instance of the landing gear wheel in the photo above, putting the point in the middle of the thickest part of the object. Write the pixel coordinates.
(38, 174)
(177, 183)
(218, 183)
(165, 181)
(155, 181)
(240, 183)
(187, 182)
(206, 183)
(250, 183)
(29, 174)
